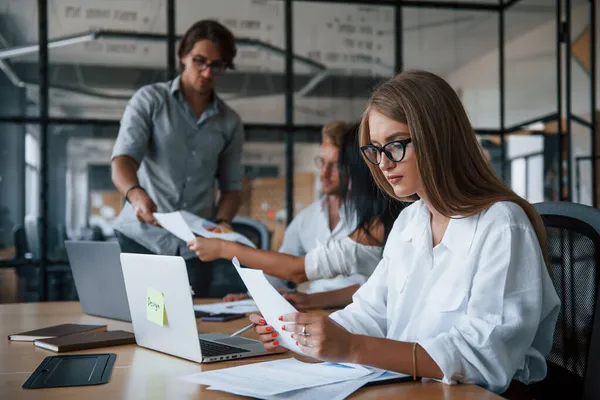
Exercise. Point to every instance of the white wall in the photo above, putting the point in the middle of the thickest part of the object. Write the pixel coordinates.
(581, 145)
(531, 92)
(530, 77)
(532, 186)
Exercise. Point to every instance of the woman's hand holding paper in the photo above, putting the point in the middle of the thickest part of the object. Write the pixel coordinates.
(320, 337)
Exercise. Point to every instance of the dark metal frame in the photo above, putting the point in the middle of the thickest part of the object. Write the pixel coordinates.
(566, 39)
(44, 104)
(593, 77)
(502, 87)
(289, 110)
(289, 129)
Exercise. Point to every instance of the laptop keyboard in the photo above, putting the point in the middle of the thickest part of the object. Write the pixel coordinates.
(212, 349)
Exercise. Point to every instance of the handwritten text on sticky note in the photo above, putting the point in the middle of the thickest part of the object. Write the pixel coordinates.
(155, 307)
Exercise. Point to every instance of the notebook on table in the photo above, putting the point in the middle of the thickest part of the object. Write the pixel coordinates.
(55, 331)
(86, 341)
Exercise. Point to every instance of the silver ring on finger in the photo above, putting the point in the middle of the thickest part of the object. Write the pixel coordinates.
(304, 331)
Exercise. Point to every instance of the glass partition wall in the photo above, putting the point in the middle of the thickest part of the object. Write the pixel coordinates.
(524, 69)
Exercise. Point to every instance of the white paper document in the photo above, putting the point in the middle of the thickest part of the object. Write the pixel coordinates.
(205, 228)
(234, 307)
(184, 224)
(334, 391)
(288, 375)
(387, 375)
(174, 223)
(269, 301)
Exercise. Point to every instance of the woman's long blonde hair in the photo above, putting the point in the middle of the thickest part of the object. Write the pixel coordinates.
(456, 176)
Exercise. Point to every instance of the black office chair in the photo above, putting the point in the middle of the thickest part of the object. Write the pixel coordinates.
(574, 245)
(254, 230)
(27, 276)
(20, 242)
(32, 232)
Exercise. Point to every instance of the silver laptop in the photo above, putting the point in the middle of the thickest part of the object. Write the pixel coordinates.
(98, 277)
(178, 335)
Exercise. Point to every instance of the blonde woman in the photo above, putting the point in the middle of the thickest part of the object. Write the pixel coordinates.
(462, 293)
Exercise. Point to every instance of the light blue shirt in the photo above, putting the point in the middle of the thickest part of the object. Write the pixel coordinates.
(180, 158)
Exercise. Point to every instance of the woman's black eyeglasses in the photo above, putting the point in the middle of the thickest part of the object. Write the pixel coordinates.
(395, 151)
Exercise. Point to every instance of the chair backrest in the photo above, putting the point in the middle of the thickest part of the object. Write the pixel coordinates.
(254, 230)
(574, 247)
(32, 232)
(20, 241)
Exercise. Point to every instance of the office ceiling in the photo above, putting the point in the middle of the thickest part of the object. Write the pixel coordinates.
(355, 44)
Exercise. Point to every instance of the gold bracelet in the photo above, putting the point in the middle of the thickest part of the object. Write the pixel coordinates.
(415, 361)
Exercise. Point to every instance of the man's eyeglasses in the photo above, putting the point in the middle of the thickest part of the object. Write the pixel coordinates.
(319, 162)
(216, 67)
(395, 151)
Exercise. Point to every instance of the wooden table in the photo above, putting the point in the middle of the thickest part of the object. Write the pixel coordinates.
(145, 374)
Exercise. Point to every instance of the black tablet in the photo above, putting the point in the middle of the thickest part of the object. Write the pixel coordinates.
(72, 370)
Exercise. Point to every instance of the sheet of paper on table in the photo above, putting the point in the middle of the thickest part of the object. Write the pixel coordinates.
(291, 375)
(235, 307)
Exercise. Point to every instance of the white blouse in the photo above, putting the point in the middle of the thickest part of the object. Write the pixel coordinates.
(309, 228)
(341, 257)
(481, 303)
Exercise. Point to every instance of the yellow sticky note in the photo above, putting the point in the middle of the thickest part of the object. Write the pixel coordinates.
(155, 307)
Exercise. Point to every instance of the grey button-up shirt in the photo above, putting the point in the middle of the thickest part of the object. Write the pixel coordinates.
(180, 159)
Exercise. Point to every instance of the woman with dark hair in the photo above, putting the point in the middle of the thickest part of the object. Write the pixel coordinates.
(358, 253)
(372, 208)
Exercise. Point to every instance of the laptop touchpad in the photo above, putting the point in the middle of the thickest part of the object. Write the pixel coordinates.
(235, 341)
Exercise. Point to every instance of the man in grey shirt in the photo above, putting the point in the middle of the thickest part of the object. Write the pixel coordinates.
(176, 140)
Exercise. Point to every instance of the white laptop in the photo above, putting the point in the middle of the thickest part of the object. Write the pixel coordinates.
(179, 336)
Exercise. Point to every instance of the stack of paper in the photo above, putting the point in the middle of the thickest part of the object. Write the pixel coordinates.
(291, 380)
(232, 307)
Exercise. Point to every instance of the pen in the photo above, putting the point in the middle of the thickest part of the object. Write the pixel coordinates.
(244, 329)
